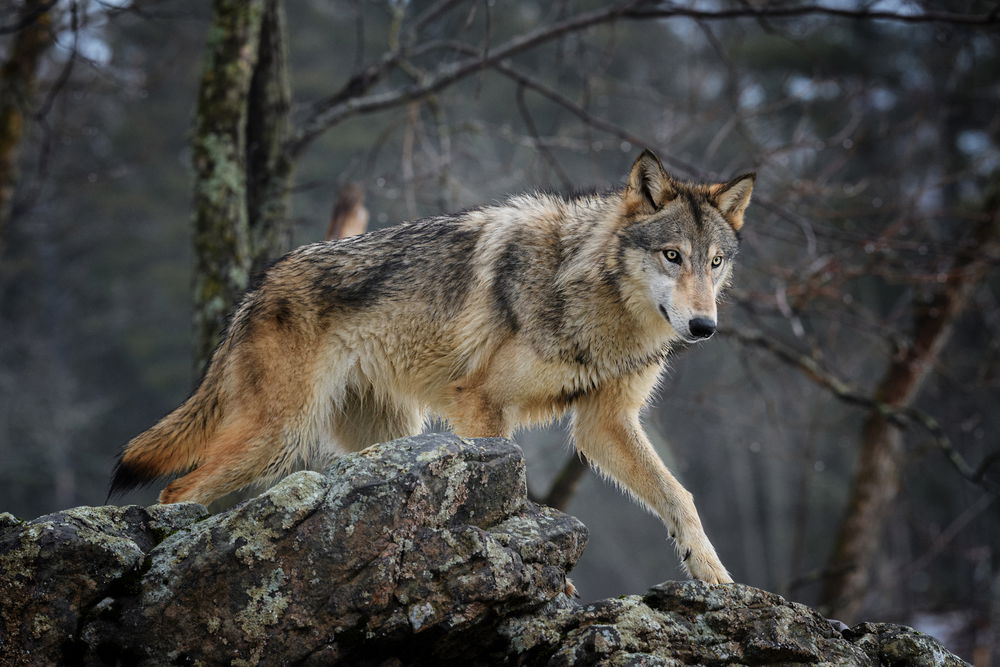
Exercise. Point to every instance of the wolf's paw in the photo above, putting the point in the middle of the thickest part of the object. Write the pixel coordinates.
(707, 568)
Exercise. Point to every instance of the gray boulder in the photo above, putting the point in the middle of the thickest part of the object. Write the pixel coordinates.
(56, 569)
(420, 551)
(694, 623)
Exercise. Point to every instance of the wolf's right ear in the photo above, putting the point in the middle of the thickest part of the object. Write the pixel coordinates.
(649, 187)
(733, 197)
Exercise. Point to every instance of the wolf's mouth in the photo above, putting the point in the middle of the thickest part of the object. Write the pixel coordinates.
(686, 339)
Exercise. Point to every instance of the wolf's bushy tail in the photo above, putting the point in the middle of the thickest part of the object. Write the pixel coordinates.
(174, 444)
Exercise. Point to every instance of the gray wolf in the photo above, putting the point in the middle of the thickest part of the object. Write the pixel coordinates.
(492, 319)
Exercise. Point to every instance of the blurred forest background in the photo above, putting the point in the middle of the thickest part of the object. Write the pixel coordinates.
(840, 435)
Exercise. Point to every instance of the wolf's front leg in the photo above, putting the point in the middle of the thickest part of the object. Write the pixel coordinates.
(612, 438)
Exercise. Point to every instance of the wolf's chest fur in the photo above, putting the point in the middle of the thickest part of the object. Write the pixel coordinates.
(583, 363)
(535, 385)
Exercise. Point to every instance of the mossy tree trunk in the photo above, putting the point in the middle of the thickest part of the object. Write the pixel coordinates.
(241, 174)
(17, 84)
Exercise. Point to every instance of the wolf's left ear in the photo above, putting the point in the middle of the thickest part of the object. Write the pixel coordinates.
(649, 186)
(732, 198)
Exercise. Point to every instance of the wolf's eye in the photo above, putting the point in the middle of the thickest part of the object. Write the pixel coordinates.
(717, 261)
(672, 256)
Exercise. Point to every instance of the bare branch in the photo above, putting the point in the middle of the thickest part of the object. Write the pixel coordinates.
(438, 9)
(347, 102)
(899, 416)
(946, 536)
(779, 12)
(564, 485)
(529, 122)
(344, 106)
(28, 17)
(590, 119)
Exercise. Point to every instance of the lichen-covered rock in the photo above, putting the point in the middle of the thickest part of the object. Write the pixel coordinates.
(56, 568)
(424, 551)
(694, 623)
(898, 645)
(425, 537)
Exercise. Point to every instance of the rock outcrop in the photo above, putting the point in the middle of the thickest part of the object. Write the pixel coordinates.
(421, 551)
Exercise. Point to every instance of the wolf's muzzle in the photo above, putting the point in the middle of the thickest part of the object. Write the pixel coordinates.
(701, 327)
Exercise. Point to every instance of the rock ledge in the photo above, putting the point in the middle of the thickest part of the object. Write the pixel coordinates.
(420, 551)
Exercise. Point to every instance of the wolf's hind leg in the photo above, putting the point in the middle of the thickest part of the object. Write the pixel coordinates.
(365, 418)
(233, 458)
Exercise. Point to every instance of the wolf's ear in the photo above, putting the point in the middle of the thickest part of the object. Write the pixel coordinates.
(732, 198)
(649, 186)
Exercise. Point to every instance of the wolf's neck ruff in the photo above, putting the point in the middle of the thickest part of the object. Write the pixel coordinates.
(491, 319)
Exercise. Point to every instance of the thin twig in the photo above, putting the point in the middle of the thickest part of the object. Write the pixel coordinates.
(27, 18)
(950, 532)
(431, 13)
(565, 483)
(335, 110)
(780, 12)
(590, 119)
(899, 416)
(529, 123)
(341, 106)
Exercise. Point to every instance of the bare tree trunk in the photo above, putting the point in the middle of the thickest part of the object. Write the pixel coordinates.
(17, 84)
(567, 479)
(241, 171)
(268, 165)
(876, 478)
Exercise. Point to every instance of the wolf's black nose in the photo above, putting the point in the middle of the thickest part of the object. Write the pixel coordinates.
(701, 327)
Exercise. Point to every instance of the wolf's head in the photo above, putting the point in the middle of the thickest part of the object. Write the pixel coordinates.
(678, 243)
